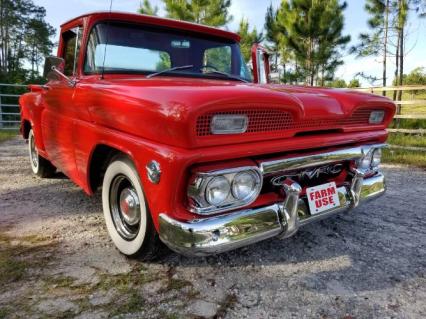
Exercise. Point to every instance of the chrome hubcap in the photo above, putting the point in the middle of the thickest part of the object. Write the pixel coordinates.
(129, 206)
(33, 152)
(125, 207)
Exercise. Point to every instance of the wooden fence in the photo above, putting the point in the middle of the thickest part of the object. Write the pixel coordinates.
(419, 103)
(405, 103)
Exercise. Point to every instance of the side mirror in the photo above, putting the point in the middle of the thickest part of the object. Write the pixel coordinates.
(54, 68)
(260, 60)
(50, 64)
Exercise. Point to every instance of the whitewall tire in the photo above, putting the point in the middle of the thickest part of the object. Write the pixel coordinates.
(126, 213)
(39, 165)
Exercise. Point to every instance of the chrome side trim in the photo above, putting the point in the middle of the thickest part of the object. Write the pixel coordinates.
(316, 159)
(213, 235)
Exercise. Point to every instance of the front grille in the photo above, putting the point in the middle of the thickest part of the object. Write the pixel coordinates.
(273, 120)
(259, 120)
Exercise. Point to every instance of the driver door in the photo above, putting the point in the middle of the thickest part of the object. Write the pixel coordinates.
(59, 113)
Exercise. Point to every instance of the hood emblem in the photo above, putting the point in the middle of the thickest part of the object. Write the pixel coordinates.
(309, 174)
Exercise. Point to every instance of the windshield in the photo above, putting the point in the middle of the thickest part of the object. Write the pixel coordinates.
(128, 48)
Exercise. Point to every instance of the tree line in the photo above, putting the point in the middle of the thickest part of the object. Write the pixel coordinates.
(387, 36)
(25, 39)
(306, 36)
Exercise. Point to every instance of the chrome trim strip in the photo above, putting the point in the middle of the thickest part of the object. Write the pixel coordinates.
(213, 235)
(316, 159)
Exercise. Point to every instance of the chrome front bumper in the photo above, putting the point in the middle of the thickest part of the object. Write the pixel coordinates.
(218, 234)
(214, 235)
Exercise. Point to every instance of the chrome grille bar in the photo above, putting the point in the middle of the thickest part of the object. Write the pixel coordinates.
(315, 159)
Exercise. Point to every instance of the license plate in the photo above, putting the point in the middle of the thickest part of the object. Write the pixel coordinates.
(322, 197)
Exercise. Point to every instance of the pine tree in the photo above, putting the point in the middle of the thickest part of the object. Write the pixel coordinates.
(376, 42)
(248, 38)
(37, 38)
(24, 39)
(148, 9)
(209, 12)
(312, 31)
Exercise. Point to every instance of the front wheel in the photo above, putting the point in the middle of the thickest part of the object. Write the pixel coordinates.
(39, 165)
(127, 217)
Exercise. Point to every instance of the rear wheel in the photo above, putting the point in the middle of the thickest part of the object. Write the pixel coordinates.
(127, 217)
(39, 165)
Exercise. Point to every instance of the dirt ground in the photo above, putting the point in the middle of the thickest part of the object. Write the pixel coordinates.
(56, 260)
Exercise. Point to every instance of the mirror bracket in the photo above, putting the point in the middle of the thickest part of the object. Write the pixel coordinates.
(70, 82)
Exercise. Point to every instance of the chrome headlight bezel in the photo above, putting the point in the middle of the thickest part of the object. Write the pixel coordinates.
(198, 202)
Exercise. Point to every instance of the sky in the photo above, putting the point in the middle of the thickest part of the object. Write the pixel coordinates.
(254, 10)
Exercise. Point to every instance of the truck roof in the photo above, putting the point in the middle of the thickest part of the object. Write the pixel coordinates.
(153, 20)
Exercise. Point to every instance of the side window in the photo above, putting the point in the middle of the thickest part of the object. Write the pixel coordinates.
(72, 43)
(219, 58)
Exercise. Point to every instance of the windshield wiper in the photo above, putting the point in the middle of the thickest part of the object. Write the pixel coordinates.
(182, 67)
(229, 76)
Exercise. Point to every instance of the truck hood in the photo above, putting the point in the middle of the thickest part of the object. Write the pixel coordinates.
(176, 111)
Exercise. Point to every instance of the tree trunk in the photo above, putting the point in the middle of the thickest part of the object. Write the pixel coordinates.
(385, 44)
(401, 61)
(284, 73)
(396, 68)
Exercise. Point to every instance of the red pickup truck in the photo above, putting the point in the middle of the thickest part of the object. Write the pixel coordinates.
(189, 147)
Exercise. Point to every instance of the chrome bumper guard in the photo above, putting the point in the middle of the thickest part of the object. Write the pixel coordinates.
(213, 235)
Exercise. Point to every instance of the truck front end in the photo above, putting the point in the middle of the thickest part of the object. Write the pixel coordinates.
(266, 189)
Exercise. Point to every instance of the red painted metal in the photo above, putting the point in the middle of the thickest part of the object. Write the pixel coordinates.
(158, 119)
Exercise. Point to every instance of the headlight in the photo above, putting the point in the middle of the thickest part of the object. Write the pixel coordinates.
(376, 158)
(229, 124)
(223, 190)
(244, 185)
(217, 190)
(376, 117)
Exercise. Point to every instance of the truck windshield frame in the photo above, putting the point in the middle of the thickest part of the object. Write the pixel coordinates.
(127, 48)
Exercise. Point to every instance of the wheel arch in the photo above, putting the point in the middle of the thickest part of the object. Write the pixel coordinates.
(100, 156)
(25, 128)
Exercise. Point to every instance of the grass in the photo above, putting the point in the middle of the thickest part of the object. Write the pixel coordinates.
(404, 156)
(17, 259)
(413, 109)
(401, 156)
(133, 303)
(7, 134)
(11, 268)
(408, 157)
(407, 140)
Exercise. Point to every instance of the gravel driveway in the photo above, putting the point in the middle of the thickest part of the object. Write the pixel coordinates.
(56, 260)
